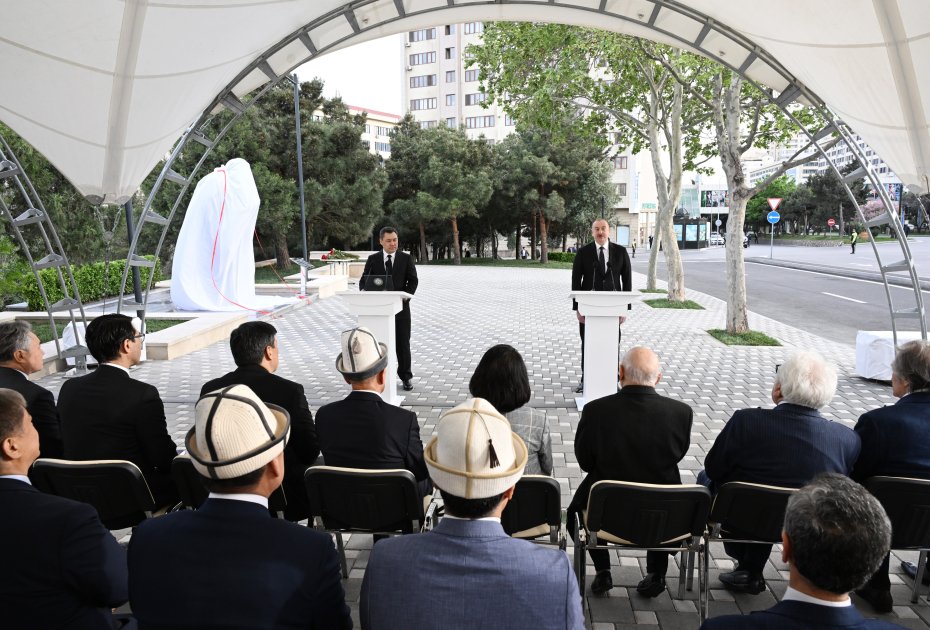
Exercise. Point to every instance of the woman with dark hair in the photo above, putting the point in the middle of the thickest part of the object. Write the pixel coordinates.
(502, 380)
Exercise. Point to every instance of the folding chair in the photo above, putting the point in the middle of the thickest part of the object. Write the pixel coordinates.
(193, 493)
(627, 515)
(749, 513)
(907, 503)
(536, 510)
(365, 501)
(116, 488)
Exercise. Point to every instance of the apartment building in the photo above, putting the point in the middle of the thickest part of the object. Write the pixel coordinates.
(378, 128)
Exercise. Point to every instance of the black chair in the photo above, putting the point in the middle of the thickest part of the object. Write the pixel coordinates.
(193, 493)
(907, 503)
(536, 510)
(651, 517)
(116, 488)
(384, 502)
(748, 513)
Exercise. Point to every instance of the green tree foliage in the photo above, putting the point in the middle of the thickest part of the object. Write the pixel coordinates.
(758, 206)
(14, 272)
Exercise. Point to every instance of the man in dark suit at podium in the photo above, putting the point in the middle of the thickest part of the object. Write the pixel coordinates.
(399, 266)
(599, 266)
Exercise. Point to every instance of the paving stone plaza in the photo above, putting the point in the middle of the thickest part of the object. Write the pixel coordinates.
(459, 313)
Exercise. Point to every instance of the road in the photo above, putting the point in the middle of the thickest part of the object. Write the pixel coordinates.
(822, 303)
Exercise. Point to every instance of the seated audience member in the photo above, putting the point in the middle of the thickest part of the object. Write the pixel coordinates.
(784, 446)
(229, 564)
(896, 443)
(362, 430)
(502, 380)
(61, 567)
(20, 356)
(634, 435)
(467, 574)
(255, 351)
(107, 414)
(834, 536)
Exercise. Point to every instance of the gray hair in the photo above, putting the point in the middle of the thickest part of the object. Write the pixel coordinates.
(839, 533)
(807, 379)
(912, 364)
(640, 366)
(13, 336)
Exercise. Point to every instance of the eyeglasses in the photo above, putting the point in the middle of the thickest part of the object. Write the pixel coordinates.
(138, 336)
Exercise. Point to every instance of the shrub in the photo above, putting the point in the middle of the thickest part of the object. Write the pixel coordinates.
(95, 281)
(562, 256)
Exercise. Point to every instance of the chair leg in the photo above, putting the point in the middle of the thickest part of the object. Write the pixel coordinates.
(695, 545)
(342, 555)
(918, 579)
(703, 578)
(682, 573)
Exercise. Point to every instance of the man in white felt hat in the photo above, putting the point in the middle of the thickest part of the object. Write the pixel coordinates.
(363, 430)
(467, 573)
(229, 564)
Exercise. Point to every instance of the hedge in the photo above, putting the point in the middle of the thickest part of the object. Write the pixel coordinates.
(93, 284)
(562, 256)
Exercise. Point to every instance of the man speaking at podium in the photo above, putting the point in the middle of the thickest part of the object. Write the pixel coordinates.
(398, 266)
(599, 266)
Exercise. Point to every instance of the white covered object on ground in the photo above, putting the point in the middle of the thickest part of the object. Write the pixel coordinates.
(875, 352)
(214, 268)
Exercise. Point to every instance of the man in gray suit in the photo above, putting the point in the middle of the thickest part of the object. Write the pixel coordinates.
(467, 573)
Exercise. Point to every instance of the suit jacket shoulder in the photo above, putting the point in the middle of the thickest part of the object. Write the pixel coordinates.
(795, 615)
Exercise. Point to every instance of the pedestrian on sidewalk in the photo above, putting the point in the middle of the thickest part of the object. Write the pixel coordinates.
(853, 238)
(633, 247)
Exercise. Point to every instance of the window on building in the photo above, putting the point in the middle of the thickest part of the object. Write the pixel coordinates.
(471, 75)
(621, 190)
(479, 122)
(474, 99)
(383, 147)
(421, 58)
(450, 122)
(423, 34)
(366, 144)
(472, 28)
(450, 99)
(422, 103)
(428, 124)
(383, 131)
(424, 80)
(367, 128)
(450, 52)
(619, 161)
(450, 76)
(450, 29)
(509, 121)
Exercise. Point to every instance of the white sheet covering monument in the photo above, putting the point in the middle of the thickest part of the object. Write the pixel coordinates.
(214, 268)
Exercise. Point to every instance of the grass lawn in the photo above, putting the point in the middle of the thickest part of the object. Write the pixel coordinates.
(666, 303)
(44, 332)
(507, 262)
(266, 275)
(653, 291)
(750, 338)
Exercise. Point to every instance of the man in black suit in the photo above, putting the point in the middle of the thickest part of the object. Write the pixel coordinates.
(599, 266)
(363, 431)
(634, 435)
(20, 356)
(107, 414)
(834, 536)
(896, 442)
(784, 446)
(61, 567)
(255, 350)
(229, 564)
(399, 266)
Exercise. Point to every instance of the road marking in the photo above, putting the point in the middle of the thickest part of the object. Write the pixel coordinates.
(843, 297)
(825, 273)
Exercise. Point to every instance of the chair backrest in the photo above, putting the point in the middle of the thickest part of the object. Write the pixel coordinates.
(193, 493)
(751, 511)
(116, 488)
(352, 499)
(537, 500)
(907, 503)
(647, 515)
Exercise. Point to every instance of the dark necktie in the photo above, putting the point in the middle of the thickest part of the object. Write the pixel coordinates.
(389, 266)
(600, 261)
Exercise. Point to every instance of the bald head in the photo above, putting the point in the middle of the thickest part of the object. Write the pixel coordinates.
(640, 366)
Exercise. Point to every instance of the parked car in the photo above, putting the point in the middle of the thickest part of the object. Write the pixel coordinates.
(716, 239)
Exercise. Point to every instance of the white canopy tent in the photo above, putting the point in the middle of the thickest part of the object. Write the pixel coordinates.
(105, 88)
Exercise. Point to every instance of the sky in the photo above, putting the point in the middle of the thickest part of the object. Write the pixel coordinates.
(366, 75)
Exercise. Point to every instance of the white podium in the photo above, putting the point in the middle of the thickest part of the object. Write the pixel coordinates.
(602, 310)
(375, 311)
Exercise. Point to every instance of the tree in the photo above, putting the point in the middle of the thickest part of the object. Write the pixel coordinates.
(403, 172)
(829, 196)
(758, 207)
(605, 83)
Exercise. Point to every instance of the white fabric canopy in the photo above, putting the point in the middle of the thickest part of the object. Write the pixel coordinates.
(213, 267)
(104, 88)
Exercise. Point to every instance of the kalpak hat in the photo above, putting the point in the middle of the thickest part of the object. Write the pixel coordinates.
(475, 454)
(235, 433)
(362, 355)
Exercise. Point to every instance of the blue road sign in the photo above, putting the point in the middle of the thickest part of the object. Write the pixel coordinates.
(773, 217)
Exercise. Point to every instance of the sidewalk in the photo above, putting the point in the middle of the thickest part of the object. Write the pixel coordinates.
(459, 313)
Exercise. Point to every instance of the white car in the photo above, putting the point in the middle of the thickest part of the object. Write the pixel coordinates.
(716, 239)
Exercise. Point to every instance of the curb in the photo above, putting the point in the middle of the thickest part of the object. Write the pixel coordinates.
(897, 280)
